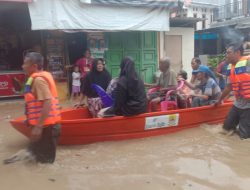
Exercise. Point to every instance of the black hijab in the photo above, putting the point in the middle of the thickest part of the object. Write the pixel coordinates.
(129, 78)
(96, 77)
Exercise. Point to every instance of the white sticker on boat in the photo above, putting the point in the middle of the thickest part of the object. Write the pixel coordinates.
(162, 121)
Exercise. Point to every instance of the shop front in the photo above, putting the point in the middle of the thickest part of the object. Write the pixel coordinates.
(18, 39)
(15, 40)
(111, 30)
(62, 37)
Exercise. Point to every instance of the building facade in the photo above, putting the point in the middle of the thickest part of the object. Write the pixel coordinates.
(231, 23)
(64, 29)
(200, 9)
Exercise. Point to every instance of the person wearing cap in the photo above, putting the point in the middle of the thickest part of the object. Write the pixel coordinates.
(238, 72)
(210, 90)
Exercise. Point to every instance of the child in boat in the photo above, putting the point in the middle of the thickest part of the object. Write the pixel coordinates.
(210, 90)
(183, 94)
(130, 97)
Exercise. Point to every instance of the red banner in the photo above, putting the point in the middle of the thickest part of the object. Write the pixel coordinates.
(11, 84)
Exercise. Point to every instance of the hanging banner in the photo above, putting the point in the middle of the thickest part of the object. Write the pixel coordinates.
(72, 15)
(97, 44)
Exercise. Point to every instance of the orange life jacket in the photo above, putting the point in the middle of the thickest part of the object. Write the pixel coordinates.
(240, 78)
(34, 106)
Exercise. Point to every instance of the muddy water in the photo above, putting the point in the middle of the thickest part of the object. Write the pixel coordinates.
(194, 159)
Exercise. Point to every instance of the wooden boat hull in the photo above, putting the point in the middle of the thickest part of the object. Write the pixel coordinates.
(79, 128)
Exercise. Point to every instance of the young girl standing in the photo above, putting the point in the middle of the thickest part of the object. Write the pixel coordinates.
(76, 75)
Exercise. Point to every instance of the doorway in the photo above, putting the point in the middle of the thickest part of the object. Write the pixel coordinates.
(173, 49)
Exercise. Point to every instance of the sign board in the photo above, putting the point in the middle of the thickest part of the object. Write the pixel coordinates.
(11, 84)
(97, 44)
(161, 121)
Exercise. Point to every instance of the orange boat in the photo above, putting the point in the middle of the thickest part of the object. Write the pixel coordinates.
(79, 128)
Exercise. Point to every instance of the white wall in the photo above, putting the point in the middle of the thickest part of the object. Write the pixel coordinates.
(187, 46)
(191, 10)
(212, 2)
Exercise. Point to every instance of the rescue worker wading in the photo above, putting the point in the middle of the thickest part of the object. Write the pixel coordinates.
(238, 72)
(42, 111)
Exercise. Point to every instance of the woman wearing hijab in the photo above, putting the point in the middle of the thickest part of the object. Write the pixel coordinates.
(210, 90)
(100, 76)
(130, 96)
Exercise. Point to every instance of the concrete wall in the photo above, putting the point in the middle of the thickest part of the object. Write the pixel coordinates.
(187, 46)
(199, 10)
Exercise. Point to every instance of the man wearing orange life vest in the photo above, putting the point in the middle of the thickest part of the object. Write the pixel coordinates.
(238, 72)
(42, 109)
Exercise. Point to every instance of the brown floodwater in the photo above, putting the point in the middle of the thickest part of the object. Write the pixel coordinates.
(193, 159)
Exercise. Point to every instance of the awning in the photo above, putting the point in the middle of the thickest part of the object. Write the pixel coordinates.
(184, 21)
(19, 1)
(74, 15)
(135, 3)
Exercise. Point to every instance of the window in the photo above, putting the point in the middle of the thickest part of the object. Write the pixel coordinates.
(204, 21)
(195, 15)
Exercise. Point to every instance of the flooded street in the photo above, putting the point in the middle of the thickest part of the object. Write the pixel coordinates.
(194, 159)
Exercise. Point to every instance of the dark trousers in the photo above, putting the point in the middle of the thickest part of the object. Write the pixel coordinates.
(238, 116)
(44, 149)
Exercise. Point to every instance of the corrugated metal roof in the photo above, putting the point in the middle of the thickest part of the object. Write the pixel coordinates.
(243, 22)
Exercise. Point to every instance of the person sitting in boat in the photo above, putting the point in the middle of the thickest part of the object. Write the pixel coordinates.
(210, 90)
(100, 76)
(130, 97)
(183, 94)
(195, 63)
(167, 81)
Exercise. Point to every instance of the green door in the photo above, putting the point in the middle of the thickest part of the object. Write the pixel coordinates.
(141, 46)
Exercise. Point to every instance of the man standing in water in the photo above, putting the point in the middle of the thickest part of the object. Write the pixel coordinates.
(42, 111)
(238, 72)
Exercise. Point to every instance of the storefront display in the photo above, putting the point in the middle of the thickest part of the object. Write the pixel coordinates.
(11, 84)
(56, 55)
(55, 52)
